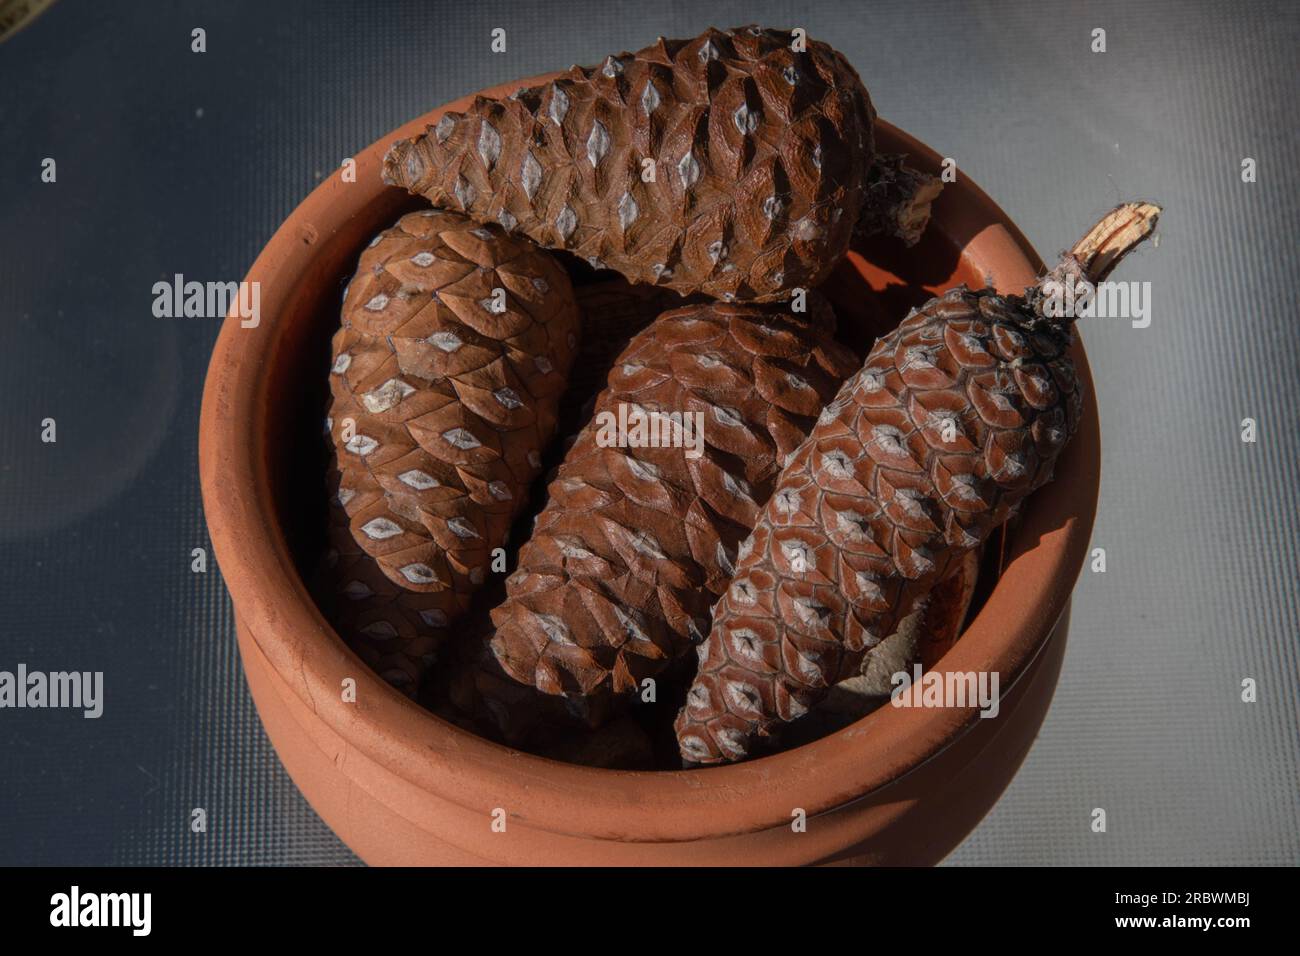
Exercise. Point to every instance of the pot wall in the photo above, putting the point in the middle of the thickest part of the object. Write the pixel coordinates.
(915, 821)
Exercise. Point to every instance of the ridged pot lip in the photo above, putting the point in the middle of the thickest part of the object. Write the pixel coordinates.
(451, 764)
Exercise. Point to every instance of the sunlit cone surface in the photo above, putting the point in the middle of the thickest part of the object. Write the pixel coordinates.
(635, 543)
(454, 350)
(764, 163)
(956, 417)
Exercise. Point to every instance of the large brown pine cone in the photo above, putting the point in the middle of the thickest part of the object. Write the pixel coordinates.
(454, 350)
(955, 419)
(763, 158)
(635, 543)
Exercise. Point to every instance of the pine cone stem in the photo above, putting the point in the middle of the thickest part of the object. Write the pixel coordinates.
(1120, 232)
(1096, 255)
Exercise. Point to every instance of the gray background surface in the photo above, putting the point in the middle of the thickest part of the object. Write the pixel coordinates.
(174, 162)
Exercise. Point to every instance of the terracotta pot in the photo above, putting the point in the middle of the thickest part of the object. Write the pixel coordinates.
(400, 786)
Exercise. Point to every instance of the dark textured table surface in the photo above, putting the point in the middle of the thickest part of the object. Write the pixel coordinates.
(170, 161)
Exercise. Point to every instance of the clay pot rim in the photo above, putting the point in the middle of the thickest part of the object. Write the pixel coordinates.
(438, 757)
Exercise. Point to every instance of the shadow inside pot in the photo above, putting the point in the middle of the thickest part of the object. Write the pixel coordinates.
(881, 279)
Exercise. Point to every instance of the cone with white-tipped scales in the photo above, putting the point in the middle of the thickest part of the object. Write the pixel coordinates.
(737, 164)
(637, 541)
(447, 373)
(956, 417)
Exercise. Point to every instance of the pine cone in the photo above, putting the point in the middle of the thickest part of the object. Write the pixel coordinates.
(762, 161)
(898, 199)
(454, 350)
(635, 543)
(955, 419)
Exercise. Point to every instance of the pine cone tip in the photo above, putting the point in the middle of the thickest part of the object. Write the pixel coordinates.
(898, 199)
(401, 165)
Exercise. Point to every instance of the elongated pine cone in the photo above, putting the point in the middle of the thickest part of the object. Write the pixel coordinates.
(761, 160)
(956, 417)
(635, 543)
(454, 350)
